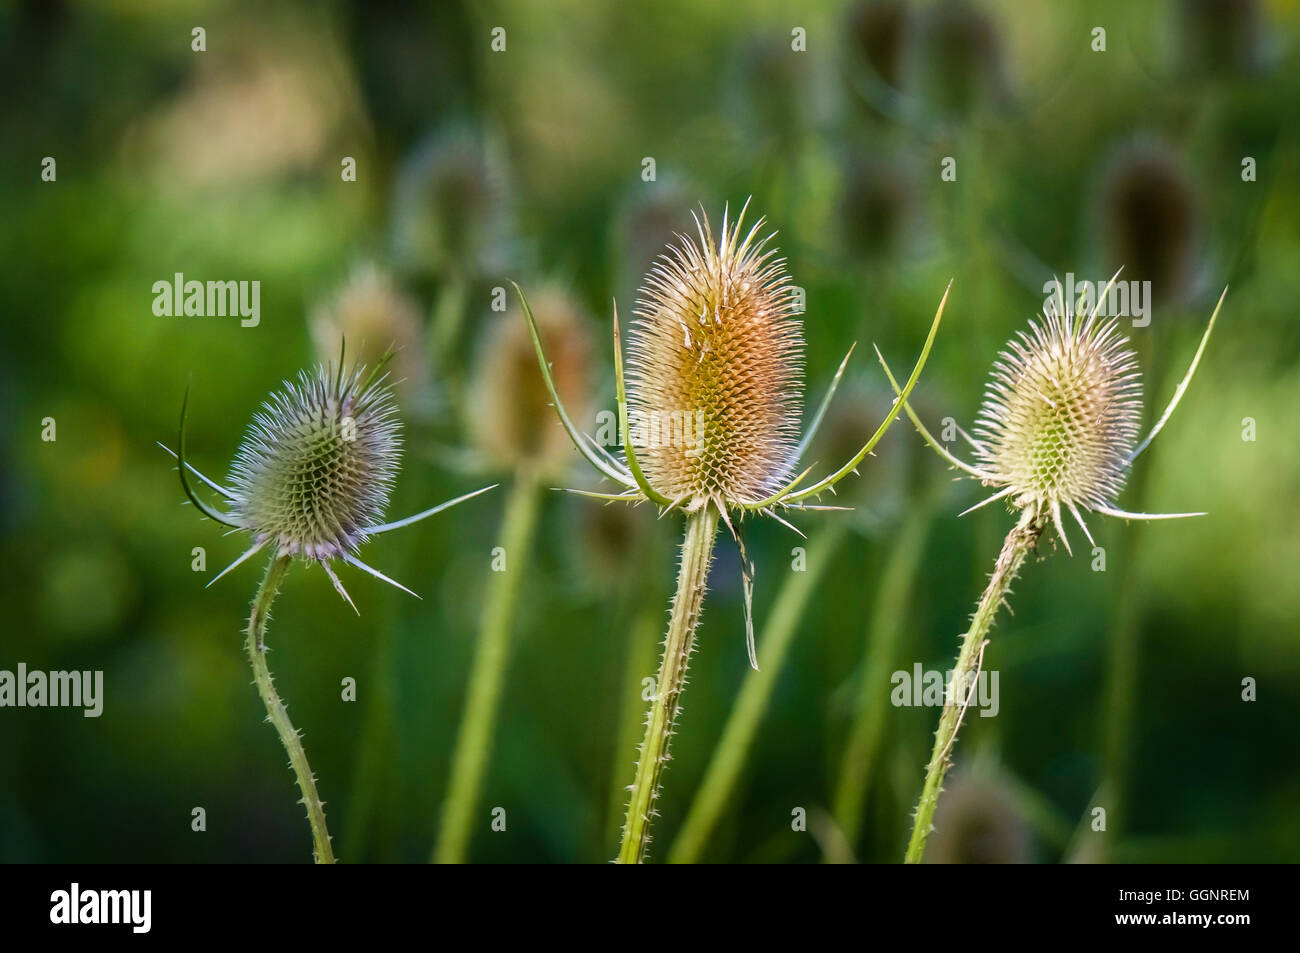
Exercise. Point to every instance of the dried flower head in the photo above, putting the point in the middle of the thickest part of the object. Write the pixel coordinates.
(316, 466)
(1059, 423)
(313, 474)
(1061, 414)
(371, 312)
(710, 413)
(513, 424)
(716, 361)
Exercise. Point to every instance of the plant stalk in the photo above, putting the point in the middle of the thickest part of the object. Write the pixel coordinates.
(747, 714)
(277, 714)
(478, 721)
(1019, 542)
(883, 635)
(696, 554)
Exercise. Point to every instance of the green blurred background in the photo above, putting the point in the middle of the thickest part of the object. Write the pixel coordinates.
(1120, 689)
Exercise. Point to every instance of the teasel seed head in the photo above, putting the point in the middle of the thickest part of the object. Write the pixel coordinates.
(979, 822)
(962, 62)
(1061, 413)
(375, 317)
(513, 423)
(716, 350)
(317, 465)
(450, 206)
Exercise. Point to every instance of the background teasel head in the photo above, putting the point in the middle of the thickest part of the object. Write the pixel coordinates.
(371, 313)
(313, 475)
(1149, 218)
(513, 424)
(450, 205)
(979, 822)
(1059, 423)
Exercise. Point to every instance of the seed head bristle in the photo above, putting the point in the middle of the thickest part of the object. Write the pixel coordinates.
(715, 369)
(316, 467)
(1061, 413)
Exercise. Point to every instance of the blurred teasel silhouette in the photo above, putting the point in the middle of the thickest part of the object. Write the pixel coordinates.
(1149, 219)
(714, 388)
(979, 822)
(372, 312)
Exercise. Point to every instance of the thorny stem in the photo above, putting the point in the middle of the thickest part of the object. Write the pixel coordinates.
(747, 714)
(478, 721)
(696, 554)
(277, 714)
(1019, 542)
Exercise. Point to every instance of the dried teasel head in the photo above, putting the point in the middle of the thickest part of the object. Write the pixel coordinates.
(1061, 414)
(317, 465)
(313, 475)
(715, 372)
(710, 410)
(1059, 424)
(513, 424)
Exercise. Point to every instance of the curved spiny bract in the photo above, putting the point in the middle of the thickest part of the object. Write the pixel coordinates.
(715, 370)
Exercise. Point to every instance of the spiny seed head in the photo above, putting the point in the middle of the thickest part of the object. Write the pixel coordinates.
(1061, 413)
(715, 369)
(316, 467)
(514, 424)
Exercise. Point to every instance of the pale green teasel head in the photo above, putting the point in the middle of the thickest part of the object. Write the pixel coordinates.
(710, 408)
(314, 472)
(1059, 425)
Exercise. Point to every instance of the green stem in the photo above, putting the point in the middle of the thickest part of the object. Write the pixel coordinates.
(747, 714)
(478, 721)
(445, 325)
(277, 714)
(1019, 542)
(697, 553)
(882, 640)
(643, 634)
(1123, 651)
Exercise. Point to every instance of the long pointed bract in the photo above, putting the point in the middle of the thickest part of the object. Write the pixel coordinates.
(384, 528)
(852, 465)
(353, 561)
(183, 466)
(621, 396)
(1182, 386)
(574, 435)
